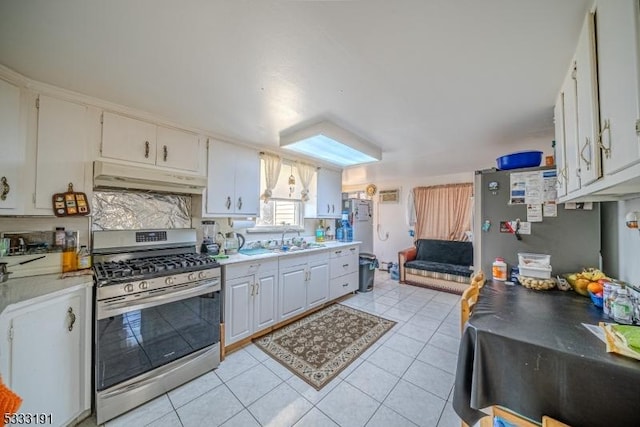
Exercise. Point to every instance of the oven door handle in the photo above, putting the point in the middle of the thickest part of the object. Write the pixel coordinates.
(106, 309)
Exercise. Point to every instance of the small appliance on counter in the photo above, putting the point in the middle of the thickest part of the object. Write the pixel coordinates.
(233, 242)
(209, 232)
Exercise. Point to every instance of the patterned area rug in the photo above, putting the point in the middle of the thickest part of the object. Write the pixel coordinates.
(318, 347)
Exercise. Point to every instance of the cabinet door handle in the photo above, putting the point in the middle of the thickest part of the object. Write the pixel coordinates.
(72, 318)
(605, 149)
(328, 208)
(338, 252)
(239, 204)
(587, 143)
(345, 265)
(5, 188)
(257, 288)
(345, 285)
(252, 290)
(333, 208)
(228, 203)
(147, 148)
(352, 249)
(165, 153)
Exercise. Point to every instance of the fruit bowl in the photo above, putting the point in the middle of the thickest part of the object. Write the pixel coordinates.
(580, 281)
(596, 300)
(578, 285)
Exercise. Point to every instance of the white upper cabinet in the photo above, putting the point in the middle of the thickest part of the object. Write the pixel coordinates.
(607, 107)
(128, 139)
(12, 149)
(571, 131)
(177, 149)
(327, 200)
(617, 48)
(561, 166)
(587, 104)
(61, 155)
(233, 180)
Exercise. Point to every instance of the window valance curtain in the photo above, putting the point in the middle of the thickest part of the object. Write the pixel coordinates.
(306, 175)
(272, 165)
(443, 211)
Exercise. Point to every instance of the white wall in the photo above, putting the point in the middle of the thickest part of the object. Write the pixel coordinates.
(391, 218)
(629, 244)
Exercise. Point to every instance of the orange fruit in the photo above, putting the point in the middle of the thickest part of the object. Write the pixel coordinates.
(594, 287)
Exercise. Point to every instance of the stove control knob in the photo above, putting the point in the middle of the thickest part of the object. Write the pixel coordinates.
(202, 275)
(169, 280)
(191, 276)
(143, 285)
(128, 288)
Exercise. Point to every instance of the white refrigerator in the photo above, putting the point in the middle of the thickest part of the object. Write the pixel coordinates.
(361, 219)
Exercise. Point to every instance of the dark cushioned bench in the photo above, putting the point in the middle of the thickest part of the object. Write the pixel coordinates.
(439, 264)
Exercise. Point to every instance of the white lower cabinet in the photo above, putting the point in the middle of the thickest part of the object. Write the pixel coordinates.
(304, 283)
(344, 271)
(293, 287)
(46, 355)
(260, 294)
(250, 291)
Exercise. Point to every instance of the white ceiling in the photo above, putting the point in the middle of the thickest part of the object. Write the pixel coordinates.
(441, 86)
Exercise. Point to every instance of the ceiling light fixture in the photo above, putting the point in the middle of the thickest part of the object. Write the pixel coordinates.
(331, 143)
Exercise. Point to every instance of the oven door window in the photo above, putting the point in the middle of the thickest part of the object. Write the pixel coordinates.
(138, 341)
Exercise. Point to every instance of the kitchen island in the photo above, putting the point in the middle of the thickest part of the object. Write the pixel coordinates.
(528, 351)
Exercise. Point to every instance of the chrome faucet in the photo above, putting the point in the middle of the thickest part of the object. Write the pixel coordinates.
(284, 232)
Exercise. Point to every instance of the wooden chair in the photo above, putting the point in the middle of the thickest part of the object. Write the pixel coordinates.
(551, 422)
(468, 300)
(512, 417)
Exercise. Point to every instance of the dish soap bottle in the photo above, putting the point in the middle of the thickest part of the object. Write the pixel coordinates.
(320, 233)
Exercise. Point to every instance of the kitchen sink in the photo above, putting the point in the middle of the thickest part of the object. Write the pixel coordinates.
(280, 250)
(255, 251)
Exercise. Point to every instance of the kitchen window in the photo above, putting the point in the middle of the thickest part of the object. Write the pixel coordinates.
(280, 212)
(285, 208)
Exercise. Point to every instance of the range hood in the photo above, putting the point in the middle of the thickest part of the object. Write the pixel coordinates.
(116, 175)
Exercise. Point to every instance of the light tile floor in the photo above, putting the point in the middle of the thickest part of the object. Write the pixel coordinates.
(404, 379)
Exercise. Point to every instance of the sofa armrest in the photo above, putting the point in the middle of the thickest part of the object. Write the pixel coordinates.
(404, 256)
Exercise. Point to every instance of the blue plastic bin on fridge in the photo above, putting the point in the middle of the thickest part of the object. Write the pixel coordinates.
(521, 159)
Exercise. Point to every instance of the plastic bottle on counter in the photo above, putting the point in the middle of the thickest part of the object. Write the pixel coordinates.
(622, 308)
(347, 230)
(499, 269)
(340, 234)
(83, 258)
(69, 258)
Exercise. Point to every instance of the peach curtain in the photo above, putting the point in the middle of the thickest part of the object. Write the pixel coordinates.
(443, 211)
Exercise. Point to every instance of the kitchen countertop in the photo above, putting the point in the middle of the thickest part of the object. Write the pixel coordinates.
(21, 289)
(237, 258)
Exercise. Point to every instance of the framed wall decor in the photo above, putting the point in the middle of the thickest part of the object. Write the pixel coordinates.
(389, 196)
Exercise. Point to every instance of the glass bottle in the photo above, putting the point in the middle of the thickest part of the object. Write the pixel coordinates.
(83, 258)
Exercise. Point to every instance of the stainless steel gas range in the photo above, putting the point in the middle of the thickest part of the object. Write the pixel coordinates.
(157, 314)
